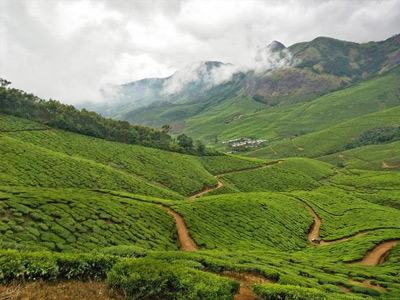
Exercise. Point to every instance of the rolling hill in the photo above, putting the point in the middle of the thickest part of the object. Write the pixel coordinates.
(312, 213)
(234, 107)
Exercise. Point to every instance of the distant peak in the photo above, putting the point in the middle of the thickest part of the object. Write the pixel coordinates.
(276, 46)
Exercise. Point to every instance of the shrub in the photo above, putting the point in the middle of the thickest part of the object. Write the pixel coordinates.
(287, 292)
(153, 279)
(124, 251)
(15, 265)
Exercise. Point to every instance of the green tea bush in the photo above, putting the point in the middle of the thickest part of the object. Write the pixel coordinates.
(153, 279)
(124, 251)
(247, 221)
(180, 173)
(383, 157)
(15, 265)
(287, 292)
(292, 174)
(24, 164)
(66, 220)
(228, 163)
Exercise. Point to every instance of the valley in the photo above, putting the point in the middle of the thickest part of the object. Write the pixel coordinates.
(99, 208)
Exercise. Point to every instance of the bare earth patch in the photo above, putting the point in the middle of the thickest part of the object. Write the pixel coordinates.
(65, 290)
(246, 281)
(186, 242)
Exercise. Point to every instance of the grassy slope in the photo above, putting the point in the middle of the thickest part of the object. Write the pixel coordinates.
(181, 173)
(229, 163)
(296, 173)
(24, 164)
(344, 214)
(332, 139)
(383, 157)
(246, 221)
(257, 221)
(279, 122)
(73, 220)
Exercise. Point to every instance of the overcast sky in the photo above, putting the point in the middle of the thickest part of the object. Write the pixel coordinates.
(66, 50)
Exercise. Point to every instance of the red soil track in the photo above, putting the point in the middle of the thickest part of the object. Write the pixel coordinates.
(220, 184)
(314, 232)
(374, 257)
(186, 242)
(378, 255)
(246, 281)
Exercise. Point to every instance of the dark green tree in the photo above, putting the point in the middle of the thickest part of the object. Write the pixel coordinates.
(185, 142)
(166, 128)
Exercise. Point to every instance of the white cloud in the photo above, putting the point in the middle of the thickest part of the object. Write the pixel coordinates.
(66, 49)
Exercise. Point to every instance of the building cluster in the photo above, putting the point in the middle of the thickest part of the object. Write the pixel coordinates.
(244, 143)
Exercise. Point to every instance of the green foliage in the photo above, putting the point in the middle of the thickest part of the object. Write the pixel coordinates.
(152, 279)
(228, 163)
(55, 114)
(16, 265)
(247, 221)
(333, 139)
(363, 179)
(80, 220)
(143, 168)
(185, 142)
(383, 157)
(124, 251)
(376, 135)
(22, 163)
(292, 174)
(287, 292)
(290, 292)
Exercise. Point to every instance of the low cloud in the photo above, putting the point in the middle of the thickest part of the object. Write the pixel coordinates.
(68, 49)
(209, 74)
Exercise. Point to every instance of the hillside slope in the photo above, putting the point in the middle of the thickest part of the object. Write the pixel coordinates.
(234, 108)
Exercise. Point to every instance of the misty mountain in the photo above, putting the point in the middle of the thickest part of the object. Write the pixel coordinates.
(280, 76)
(179, 87)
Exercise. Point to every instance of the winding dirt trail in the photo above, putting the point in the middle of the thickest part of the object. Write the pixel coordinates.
(207, 190)
(186, 242)
(375, 257)
(246, 280)
(367, 283)
(220, 184)
(314, 232)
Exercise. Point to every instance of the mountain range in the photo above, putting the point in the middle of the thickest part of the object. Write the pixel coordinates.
(214, 101)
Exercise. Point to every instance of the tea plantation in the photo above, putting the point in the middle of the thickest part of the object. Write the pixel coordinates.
(81, 220)
(74, 207)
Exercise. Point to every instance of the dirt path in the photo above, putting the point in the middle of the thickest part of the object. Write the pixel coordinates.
(246, 281)
(367, 283)
(60, 290)
(375, 257)
(207, 190)
(220, 184)
(378, 255)
(385, 165)
(314, 232)
(186, 242)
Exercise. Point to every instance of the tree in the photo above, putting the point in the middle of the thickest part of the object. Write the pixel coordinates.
(166, 128)
(200, 148)
(185, 141)
(4, 82)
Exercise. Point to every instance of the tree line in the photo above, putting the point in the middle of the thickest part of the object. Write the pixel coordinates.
(57, 115)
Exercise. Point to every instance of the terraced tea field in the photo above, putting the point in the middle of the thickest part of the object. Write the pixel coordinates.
(228, 228)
